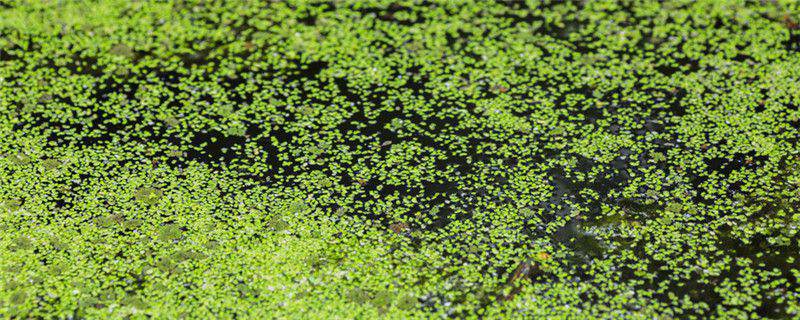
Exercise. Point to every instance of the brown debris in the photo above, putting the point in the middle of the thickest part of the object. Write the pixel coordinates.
(399, 227)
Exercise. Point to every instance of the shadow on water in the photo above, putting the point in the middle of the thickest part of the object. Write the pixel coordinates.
(793, 42)
(727, 165)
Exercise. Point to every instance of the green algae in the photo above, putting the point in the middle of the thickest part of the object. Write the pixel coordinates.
(399, 159)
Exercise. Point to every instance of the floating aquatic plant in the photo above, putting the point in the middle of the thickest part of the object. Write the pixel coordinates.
(278, 223)
(169, 233)
(122, 49)
(22, 243)
(148, 195)
(463, 159)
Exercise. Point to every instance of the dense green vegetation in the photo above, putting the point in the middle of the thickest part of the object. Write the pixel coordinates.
(609, 159)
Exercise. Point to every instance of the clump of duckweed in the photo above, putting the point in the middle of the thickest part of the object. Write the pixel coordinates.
(12, 204)
(399, 159)
(51, 164)
(132, 223)
(169, 233)
(278, 223)
(22, 243)
(18, 297)
(148, 195)
(358, 295)
(382, 300)
(121, 49)
(406, 302)
(236, 129)
(134, 301)
(108, 221)
(20, 159)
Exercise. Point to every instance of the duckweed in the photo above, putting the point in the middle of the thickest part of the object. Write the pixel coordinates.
(148, 195)
(169, 233)
(400, 159)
